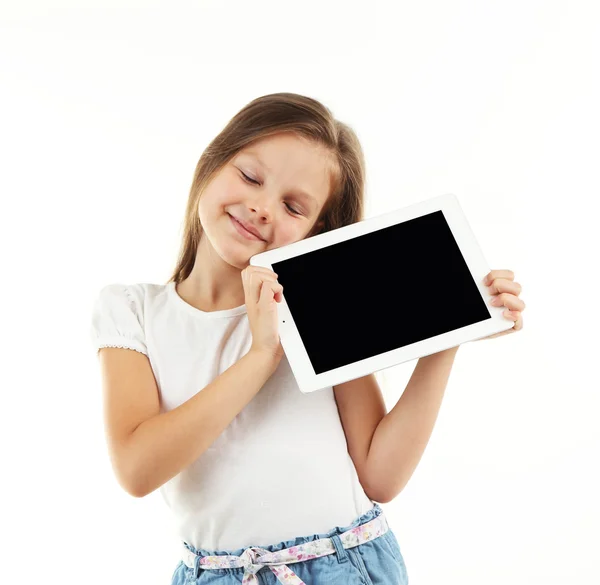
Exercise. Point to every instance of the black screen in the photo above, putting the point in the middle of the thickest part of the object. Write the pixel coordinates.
(380, 291)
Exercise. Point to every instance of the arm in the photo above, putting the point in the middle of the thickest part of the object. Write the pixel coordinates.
(402, 435)
(160, 447)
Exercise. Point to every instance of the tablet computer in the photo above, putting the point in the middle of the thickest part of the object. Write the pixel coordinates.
(380, 292)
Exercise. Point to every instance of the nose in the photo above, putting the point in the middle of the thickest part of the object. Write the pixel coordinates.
(262, 206)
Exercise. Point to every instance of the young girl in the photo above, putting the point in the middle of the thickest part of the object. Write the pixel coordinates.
(206, 407)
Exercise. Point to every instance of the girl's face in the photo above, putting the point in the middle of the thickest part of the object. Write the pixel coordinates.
(287, 185)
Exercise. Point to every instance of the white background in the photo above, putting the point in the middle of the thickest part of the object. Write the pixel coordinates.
(106, 108)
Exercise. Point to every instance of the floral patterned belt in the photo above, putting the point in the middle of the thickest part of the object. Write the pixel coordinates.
(253, 559)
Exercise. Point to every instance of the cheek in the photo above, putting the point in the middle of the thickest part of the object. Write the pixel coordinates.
(204, 209)
(213, 200)
(288, 233)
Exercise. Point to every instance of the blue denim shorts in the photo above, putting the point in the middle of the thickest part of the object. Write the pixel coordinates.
(375, 562)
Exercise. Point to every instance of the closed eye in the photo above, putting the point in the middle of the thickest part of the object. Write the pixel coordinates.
(253, 182)
(247, 178)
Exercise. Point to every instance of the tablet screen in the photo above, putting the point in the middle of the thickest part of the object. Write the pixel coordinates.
(380, 291)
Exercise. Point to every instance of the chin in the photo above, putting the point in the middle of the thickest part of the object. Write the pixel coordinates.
(232, 255)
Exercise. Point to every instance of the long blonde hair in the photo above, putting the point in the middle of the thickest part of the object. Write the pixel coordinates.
(273, 114)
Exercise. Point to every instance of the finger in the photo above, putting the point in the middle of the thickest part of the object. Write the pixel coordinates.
(500, 285)
(257, 270)
(259, 275)
(519, 323)
(268, 291)
(509, 301)
(492, 275)
(279, 295)
(255, 282)
(251, 268)
(516, 317)
(256, 277)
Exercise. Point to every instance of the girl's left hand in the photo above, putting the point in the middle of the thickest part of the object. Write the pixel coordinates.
(506, 294)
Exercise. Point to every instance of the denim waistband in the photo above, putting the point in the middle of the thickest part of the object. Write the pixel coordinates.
(367, 527)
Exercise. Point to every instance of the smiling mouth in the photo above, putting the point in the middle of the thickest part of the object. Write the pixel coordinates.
(243, 231)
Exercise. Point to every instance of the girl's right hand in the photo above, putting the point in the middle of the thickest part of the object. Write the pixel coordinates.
(262, 293)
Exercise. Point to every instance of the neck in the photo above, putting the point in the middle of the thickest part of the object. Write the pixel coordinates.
(213, 284)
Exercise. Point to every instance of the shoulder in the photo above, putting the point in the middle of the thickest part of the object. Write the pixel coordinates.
(137, 294)
(136, 299)
(118, 294)
(121, 313)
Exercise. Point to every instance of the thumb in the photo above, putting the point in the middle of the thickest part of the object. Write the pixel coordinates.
(268, 291)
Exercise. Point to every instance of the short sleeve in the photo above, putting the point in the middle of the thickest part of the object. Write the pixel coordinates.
(116, 320)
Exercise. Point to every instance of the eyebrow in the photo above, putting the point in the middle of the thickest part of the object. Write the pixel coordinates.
(299, 192)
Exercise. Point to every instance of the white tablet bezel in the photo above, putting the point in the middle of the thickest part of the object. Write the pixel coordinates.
(295, 352)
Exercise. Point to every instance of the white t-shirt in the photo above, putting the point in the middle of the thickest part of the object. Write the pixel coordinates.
(281, 468)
